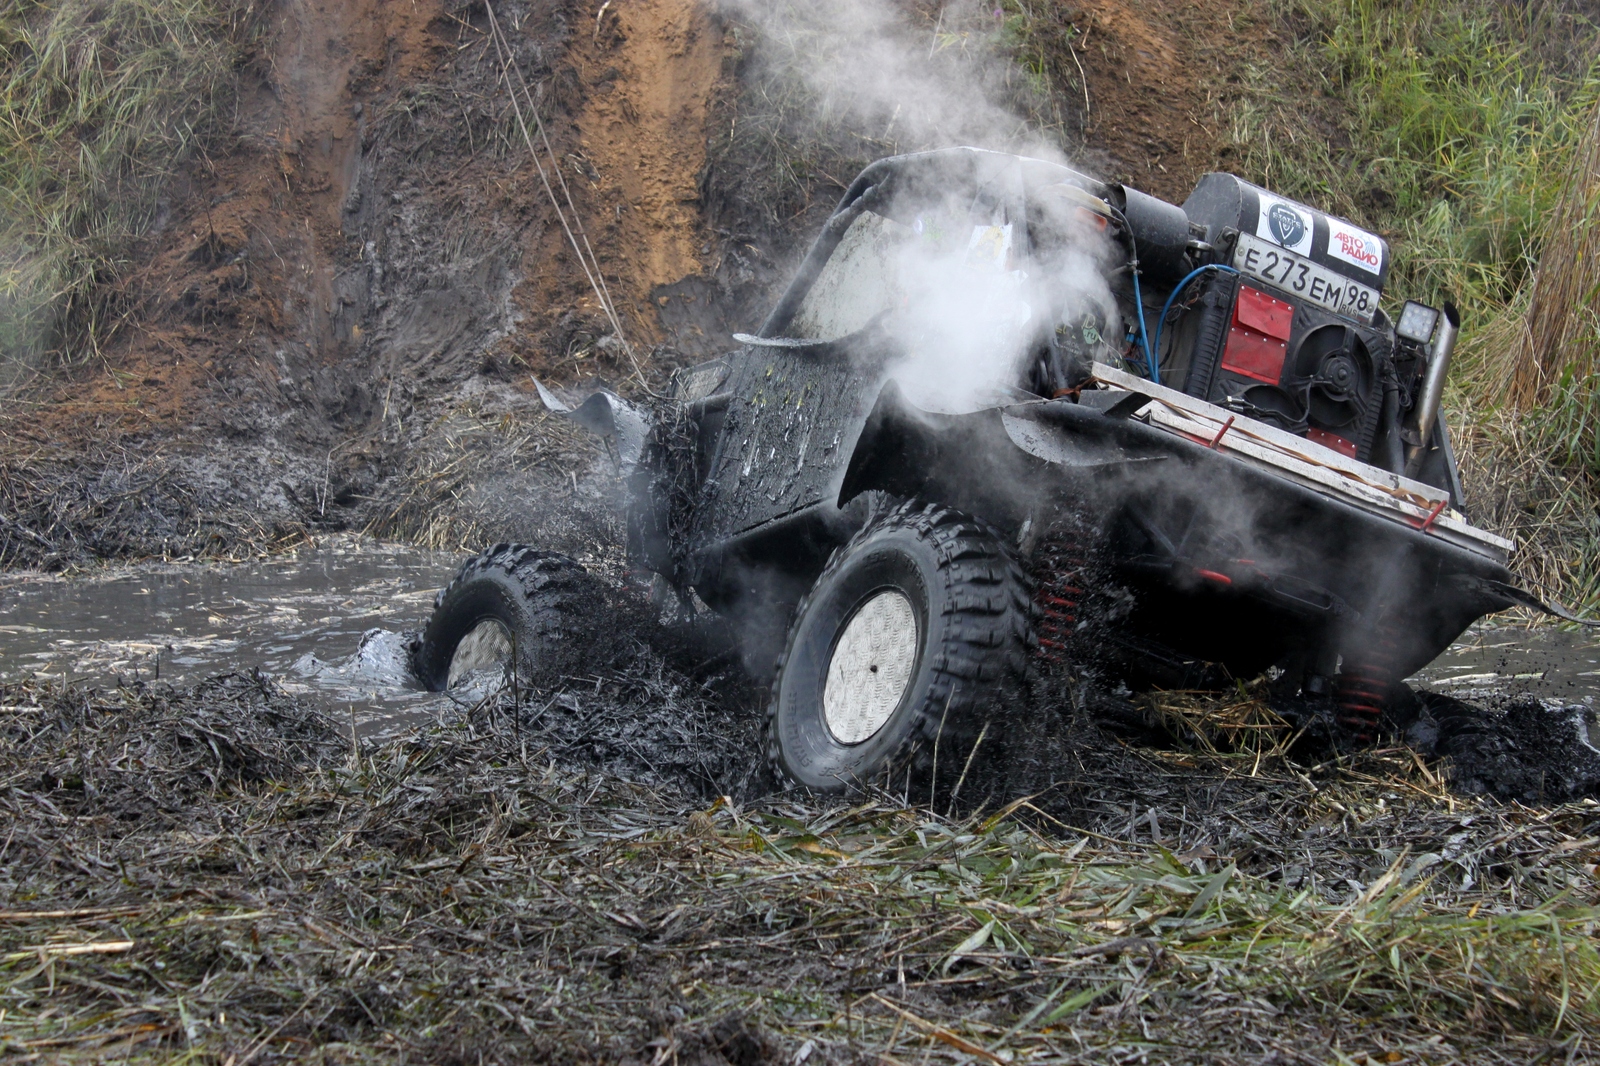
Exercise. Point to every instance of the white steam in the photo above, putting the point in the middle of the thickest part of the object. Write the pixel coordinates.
(972, 318)
(954, 286)
(894, 79)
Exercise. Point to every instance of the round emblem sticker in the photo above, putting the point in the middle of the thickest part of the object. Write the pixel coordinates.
(1288, 228)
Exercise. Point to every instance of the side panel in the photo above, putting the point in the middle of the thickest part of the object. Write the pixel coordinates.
(792, 418)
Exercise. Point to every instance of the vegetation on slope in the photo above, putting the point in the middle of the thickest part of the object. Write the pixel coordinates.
(100, 101)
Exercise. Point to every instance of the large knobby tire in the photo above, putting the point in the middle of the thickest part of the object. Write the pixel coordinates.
(916, 634)
(541, 603)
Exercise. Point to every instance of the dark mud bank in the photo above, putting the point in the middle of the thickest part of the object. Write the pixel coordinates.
(550, 880)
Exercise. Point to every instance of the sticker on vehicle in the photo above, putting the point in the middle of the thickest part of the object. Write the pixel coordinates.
(1284, 224)
(1354, 246)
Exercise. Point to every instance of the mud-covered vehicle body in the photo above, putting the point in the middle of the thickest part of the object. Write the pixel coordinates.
(1008, 420)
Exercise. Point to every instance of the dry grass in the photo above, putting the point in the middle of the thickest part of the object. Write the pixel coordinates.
(100, 102)
(1517, 486)
(226, 878)
(490, 470)
(140, 502)
(1239, 724)
(1558, 341)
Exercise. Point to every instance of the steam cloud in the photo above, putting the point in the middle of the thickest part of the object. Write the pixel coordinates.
(968, 313)
(904, 86)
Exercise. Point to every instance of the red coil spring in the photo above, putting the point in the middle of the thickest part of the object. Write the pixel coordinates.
(1058, 593)
(1362, 690)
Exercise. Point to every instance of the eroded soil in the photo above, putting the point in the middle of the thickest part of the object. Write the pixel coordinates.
(330, 295)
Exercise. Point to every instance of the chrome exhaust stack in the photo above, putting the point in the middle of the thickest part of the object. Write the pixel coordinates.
(1426, 411)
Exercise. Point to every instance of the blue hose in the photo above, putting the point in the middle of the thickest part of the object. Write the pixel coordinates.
(1162, 321)
(1144, 335)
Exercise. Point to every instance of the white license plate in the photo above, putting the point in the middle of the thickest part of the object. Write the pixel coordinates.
(1300, 277)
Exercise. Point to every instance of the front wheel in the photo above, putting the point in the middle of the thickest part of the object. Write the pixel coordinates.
(515, 601)
(916, 633)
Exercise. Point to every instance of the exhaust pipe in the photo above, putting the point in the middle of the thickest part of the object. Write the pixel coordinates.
(1426, 411)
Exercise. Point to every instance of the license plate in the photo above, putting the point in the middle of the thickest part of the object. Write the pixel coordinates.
(1300, 277)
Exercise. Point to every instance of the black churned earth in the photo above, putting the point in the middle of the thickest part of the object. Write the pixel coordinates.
(602, 870)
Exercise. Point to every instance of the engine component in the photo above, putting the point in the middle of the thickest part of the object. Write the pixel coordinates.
(1160, 233)
(1323, 259)
(1298, 368)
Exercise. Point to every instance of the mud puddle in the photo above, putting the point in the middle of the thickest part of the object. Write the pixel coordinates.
(325, 623)
(1492, 660)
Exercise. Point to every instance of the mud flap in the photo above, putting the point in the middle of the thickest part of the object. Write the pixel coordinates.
(1511, 596)
(629, 430)
(609, 417)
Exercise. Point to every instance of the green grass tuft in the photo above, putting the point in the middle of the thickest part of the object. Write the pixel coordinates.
(100, 101)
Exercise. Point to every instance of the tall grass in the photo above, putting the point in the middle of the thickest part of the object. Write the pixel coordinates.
(100, 101)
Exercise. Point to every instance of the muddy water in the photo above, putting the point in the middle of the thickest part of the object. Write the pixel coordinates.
(326, 622)
(1492, 660)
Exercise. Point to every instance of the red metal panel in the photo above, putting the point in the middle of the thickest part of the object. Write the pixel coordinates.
(1258, 339)
(1254, 355)
(1263, 314)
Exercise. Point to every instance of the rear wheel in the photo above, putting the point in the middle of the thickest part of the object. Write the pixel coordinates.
(537, 605)
(916, 633)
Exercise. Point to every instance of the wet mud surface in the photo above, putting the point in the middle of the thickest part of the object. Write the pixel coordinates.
(1496, 660)
(262, 884)
(325, 623)
(1507, 710)
(599, 867)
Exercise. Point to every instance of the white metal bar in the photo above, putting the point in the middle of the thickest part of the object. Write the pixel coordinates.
(1378, 491)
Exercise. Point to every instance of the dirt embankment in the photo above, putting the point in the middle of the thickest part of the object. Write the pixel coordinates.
(371, 250)
(333, 318)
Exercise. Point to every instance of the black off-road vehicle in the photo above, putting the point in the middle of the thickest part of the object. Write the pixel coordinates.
(1010, 420)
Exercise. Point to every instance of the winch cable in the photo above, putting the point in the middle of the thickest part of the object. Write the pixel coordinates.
(584, 251)
(1162, 321)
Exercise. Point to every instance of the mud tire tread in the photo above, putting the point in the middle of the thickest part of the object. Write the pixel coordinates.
(559, 594)
(982, 667)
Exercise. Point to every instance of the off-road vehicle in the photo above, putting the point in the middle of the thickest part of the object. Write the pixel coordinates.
(1008, 420)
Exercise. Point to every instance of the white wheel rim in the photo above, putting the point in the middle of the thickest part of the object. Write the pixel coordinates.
(871, 667)
(487, 646)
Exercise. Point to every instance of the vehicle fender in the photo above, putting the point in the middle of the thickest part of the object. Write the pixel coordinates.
(970, 458)
(1500, 595)
(609, 417)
